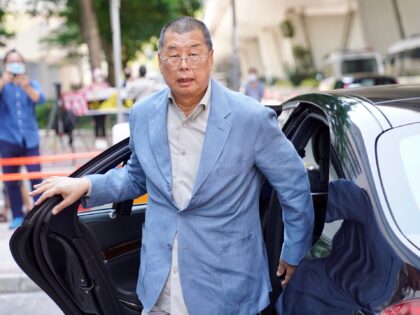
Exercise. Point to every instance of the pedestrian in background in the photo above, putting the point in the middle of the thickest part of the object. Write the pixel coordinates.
(141, 87)
(253, 86)
(19, 129)
(127, 76)
(200, 151)
(99, 83)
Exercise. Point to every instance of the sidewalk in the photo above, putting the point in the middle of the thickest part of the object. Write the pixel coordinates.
(12, 278)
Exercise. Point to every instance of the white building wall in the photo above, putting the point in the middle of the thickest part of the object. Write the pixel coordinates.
(410, 11)
(380, 29)
(250, 56)
(270, 57)
(332, 29)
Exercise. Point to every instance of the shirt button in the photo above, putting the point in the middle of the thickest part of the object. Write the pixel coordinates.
(175, 270)
(183, 152)
(184, 124)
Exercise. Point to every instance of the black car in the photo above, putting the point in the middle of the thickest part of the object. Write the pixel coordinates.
(357, 80)
(361, 148)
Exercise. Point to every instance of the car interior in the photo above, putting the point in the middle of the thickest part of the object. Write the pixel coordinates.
(312, 142)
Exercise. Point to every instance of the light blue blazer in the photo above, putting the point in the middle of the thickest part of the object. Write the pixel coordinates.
(222, 256)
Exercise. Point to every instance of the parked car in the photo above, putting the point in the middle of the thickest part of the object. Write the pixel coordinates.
(402, 60)
(347, 62)
(361, 149)
(361, 79)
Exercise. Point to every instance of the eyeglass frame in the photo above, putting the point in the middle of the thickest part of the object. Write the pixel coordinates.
(174, 67)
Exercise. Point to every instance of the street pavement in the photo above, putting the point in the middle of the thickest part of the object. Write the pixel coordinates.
(34, 303)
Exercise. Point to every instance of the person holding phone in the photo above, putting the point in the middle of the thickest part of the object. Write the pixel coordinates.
(19, 129)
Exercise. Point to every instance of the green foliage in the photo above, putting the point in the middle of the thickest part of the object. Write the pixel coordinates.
(310, 82)
(4, 33)
(303, 69)
(43, 113)
(287, 29)
(140, 20)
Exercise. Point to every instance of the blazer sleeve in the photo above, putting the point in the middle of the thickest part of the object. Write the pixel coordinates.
(279, 162)
(118, 184)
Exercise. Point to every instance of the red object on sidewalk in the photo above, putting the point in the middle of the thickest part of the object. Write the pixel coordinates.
(76, 102)
(407, 307)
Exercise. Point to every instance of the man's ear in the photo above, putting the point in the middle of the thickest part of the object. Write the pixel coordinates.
(211, 59)
(159, 62)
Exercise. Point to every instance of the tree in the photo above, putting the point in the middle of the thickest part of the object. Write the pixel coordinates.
(140, 21)
(4, 33)
(90, 32)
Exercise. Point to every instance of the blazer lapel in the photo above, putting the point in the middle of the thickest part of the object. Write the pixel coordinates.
(218, 128)
(158, 133)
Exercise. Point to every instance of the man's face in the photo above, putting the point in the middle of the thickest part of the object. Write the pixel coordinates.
(189, 78)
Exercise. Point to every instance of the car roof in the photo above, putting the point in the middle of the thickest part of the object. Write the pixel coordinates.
(383, 93)
(400, 104)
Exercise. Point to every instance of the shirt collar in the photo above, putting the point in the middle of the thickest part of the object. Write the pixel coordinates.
(205, 100)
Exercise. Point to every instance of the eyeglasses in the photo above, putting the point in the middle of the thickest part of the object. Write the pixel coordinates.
(193, 60)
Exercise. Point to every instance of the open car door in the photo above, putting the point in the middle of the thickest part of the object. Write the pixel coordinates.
(87, 262)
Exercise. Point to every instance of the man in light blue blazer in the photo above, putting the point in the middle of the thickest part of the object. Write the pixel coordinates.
(201, 152)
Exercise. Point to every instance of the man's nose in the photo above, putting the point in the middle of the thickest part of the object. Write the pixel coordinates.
(183, 64)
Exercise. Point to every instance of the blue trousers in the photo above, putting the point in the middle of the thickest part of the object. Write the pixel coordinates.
(10, 150)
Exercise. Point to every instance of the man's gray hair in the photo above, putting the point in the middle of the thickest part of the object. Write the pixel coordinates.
(183, 25)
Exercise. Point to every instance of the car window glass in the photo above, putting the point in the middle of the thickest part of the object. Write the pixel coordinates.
(360, 65)
(323, 247)
(361, 274)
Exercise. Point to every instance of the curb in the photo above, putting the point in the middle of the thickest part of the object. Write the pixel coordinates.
(17, 282)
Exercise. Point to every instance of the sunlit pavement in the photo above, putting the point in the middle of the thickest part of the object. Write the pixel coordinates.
(12, 278)
(34, 303)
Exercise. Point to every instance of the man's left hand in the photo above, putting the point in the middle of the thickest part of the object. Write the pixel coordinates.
(288, 270)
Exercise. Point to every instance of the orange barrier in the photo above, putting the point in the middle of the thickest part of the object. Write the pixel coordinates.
(31, 175)
(46, 158)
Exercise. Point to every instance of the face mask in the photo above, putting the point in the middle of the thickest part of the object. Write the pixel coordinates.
(252, 77)
(15, 68)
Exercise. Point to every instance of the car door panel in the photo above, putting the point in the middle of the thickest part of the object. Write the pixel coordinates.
(64, 254)
(118, 239)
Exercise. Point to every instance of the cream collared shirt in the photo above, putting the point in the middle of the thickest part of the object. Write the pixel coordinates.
(186, 138)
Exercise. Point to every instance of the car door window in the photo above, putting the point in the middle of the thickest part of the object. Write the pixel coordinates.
(360, 273)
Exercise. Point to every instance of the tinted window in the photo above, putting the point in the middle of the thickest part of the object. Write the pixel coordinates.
(359, 65)
(361, 272)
